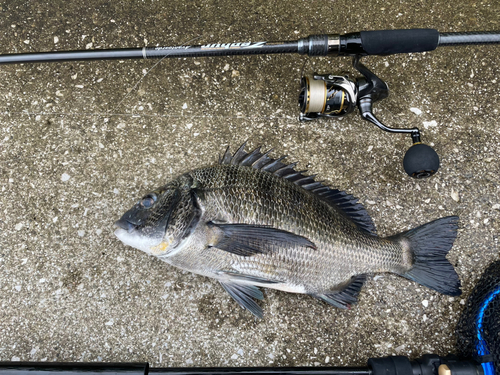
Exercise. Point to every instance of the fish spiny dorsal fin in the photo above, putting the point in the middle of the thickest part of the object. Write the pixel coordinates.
(274, 165)
(337, 198)
(285, 169)
(263, 160)
(239, 155)
(251, 157)
(226, 158)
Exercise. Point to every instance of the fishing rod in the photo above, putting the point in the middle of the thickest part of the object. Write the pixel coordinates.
(379, 366)
(478, 351)
(327, 95)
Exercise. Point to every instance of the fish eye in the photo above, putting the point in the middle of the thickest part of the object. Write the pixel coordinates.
(149, 200)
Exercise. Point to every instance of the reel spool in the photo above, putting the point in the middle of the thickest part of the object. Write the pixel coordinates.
(336, 96)
(326, 96)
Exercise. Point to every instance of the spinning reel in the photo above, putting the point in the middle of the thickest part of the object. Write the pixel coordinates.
(336, 96)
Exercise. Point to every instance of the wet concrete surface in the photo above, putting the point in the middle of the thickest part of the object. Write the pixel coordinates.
(82, 141)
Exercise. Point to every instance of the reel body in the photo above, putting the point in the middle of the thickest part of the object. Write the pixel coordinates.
(336, 96)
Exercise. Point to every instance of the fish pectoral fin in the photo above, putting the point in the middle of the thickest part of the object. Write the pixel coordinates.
(246, 239)
(244, 295)
(344, 298)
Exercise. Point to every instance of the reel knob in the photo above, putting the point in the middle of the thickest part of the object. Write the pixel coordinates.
(421, 161)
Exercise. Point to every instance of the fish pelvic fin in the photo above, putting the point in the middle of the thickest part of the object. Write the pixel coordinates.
(346, 296)
(428, 246)
(244, 295)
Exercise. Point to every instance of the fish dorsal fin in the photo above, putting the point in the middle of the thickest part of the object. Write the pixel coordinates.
(348, 204)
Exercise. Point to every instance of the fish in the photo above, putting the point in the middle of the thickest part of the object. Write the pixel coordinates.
(251, 221)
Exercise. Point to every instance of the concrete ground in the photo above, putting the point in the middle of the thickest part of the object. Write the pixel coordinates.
(80, 142)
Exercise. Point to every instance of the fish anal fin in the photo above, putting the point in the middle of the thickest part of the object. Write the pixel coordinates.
(346, 295)
(247, 240)
(244, 295)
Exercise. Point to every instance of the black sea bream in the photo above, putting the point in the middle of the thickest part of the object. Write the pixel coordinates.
(252, 221)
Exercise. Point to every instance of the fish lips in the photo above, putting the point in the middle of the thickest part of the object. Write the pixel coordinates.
(124, 224)
(129, 230)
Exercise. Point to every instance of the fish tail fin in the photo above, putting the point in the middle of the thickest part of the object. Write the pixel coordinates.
(428, 246)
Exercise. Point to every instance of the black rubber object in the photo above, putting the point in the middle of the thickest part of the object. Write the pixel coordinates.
(388, 42)
(396, 365)
(421, 161)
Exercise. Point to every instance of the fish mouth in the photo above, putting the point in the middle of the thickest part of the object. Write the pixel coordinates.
(129, 233)
(125, 224)
(133, 234)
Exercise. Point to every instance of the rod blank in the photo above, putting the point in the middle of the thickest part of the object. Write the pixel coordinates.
(382, 42)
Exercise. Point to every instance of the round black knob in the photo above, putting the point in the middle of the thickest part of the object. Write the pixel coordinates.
(421, 161)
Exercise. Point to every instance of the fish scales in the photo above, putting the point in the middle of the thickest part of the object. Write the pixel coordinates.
(241, 190)
(252, 221)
